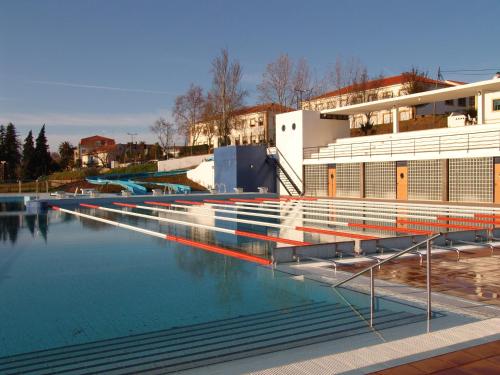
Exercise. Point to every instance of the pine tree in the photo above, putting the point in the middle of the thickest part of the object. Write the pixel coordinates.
(42, 155)
(2, 153)
(66, 152)
(11, 152)
(29, 162)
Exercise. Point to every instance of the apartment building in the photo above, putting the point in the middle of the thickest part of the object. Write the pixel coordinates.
(252, 125)
(385, 88)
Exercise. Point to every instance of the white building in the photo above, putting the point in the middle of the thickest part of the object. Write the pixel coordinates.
(252, 125)
(389, 87)
(460, 163)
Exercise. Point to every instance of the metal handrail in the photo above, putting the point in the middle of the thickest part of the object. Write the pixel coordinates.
(372, 281)
(281, 156)
(402, 252)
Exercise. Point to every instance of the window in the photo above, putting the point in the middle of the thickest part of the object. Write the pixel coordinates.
(261, 121)
(449, 102)
(294, 126)
(496, 104)
(252, 122)
(283, 127)
(462, 102)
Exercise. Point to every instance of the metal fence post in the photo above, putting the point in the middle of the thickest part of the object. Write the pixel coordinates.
(372, 296)
(20, 189)
(429, 287)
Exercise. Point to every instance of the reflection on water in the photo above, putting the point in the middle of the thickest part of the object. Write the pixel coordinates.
(13, 220)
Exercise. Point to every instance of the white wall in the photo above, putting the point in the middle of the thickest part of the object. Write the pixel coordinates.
(490, 115)
(310, 131)
(187, 162)
(203, 174)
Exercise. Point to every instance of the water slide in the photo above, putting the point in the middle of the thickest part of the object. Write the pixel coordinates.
(128, 181)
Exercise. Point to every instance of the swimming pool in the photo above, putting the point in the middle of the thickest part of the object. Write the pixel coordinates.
(67, 281)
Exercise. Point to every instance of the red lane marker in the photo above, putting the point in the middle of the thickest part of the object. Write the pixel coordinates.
(88, 205)
(194, 203)
(55, 208)
(488, 216)
(391, 229)
(270, 238)
(217, 201)
(301, 198)
(336, 233)
(467, 220)
(244, 200)
(219, 250)
(125, 204)
(158, 203)
(439, 225)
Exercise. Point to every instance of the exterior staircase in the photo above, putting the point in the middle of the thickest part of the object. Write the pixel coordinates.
(285, 173)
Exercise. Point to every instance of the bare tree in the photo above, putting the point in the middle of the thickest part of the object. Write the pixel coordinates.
(365, 90)
(286, 83)
(208, 125)
(226, 94)
(188, 111)
(276, 85)
(164, 131)
(344, 76)
(415, 81)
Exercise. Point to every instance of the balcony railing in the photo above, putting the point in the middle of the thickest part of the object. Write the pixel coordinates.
(436, 143)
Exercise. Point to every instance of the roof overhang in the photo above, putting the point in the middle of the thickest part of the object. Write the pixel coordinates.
(425, 97)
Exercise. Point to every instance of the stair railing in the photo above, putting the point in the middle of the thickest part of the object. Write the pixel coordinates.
(427, 242)
(288, 166)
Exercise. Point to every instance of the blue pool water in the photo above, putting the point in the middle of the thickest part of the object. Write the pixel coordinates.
(65, 281)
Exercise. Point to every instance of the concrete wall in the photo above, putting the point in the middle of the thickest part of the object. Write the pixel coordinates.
(243, 166)
(186, 162)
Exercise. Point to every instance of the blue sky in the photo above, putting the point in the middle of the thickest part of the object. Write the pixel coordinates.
(112, 67)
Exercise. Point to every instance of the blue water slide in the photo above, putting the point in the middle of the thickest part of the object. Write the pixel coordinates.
(126, 181)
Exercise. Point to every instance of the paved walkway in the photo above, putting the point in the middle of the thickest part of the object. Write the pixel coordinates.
(479, 359)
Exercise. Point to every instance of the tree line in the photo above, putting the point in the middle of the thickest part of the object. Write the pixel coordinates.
(31, 159)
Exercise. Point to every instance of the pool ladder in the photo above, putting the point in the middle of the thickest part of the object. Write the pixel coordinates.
(428, 243)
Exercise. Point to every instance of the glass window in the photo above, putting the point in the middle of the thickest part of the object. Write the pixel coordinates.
(462, 102)
(496, 104)
(449, 102)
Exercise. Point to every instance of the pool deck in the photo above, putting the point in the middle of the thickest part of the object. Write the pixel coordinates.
(479, 359)
(473, 273)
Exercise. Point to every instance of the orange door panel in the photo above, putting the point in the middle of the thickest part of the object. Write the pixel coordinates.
(402, 182)
(332, 181)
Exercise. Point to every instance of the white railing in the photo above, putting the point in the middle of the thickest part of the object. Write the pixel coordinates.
(435, 143)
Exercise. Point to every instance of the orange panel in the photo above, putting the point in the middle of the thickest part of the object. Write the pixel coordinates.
(497, 183)
(402, 182)
(332, 181)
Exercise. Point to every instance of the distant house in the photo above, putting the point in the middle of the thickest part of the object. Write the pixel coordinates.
(96, 151)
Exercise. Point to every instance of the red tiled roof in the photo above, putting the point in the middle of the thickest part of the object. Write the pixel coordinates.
(95, 138)
(264, 107)
(387, 81)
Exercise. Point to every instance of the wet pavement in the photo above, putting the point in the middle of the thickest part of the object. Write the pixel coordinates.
(476, 276)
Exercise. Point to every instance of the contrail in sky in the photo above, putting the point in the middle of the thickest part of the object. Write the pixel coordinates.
(79, 85)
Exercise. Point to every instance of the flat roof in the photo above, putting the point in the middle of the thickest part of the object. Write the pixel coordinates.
(425, 97)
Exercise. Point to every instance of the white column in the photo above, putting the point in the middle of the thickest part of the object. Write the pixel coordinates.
(480, 107)
(395, 120)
